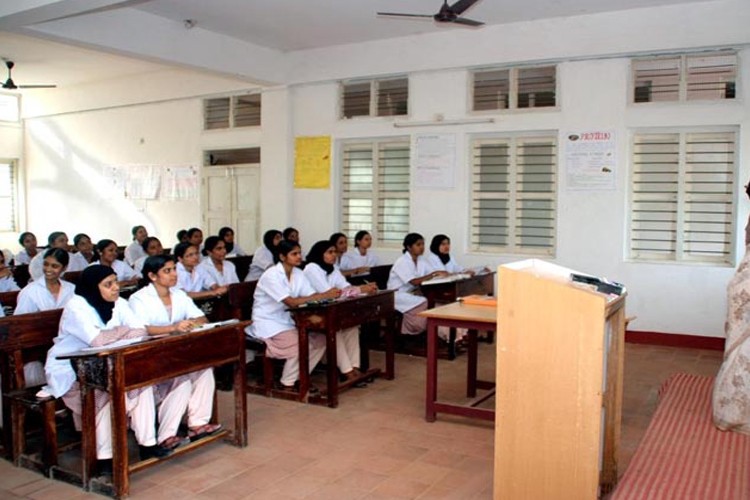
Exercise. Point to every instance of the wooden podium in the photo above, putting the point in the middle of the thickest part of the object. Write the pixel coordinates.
(559, 384)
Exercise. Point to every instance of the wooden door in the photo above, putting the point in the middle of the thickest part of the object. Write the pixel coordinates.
(231, 198)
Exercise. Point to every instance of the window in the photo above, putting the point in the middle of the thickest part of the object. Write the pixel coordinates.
(689, 77)
(385, 97)
(375, 189)
(8, 195)
(230, 112)
(514, 186)
(238, 156)
(681, 196)
(514, 88)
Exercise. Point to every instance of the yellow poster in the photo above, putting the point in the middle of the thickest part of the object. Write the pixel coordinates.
(312, 162)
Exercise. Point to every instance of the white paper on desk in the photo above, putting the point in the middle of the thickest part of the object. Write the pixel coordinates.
(116, 343)
(208, 326)
(446, 279)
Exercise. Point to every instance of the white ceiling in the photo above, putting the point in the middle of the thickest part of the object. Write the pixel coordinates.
(279, 25)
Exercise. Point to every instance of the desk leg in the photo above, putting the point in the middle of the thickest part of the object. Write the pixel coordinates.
(471, 365)
(431, 381)
(118, 410)
(88, 429)
(240, 393)
(332, 369)
(390, 346)
(304, 363)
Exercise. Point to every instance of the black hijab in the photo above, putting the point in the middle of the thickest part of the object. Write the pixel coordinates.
(316, 255)
(88, 288)
(435, 247)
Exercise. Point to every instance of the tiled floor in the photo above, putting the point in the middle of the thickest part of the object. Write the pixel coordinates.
(376, 445)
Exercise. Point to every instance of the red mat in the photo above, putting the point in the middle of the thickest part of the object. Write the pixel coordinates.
(682, 455)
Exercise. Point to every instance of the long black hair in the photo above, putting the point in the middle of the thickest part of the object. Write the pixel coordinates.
(283, 248)
(59, 255)
(222, 234)
(153, 264)
(410, 239)
(316, 255)
(437, 240)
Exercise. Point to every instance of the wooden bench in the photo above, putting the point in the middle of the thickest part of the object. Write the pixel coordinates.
(9, 300)
(25, 338)
(242, 265)
(21, 275)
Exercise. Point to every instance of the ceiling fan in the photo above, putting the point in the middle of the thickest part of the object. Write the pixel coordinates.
(9, 84)
(446, 14)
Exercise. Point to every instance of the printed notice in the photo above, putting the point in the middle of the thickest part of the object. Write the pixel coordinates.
(312, 162)
(435, 163)
(590, 160)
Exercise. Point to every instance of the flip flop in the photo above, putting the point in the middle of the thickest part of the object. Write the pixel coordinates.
(174, 442)
(203, 431)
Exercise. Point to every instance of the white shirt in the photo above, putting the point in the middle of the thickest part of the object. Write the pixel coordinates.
(197, 280)
(237, 251)
(36, 297)
(133, 252)
(79, 326)
(403, 271)
(149, 308)
(226, 277)
(22, 257)
(435, 264)
(123, 271)
(323, 282)
(262, 260)
(8, 284)
(352, 259)
(138, 265)
(270, 315)
(77, 263)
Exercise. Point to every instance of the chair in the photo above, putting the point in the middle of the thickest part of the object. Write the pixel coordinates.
(72, 276)
(21, 274)
(24, 338)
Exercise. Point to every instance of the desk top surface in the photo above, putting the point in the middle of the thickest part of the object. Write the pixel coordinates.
(461, 311)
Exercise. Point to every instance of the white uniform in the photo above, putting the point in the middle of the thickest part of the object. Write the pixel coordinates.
(36, 297)
(262, 260)
(403, 271)
(352, 259)
(123, 271)
(22, 257)
(79, 326)
(237, 251)
(435, 264)
(8, 284)
(194, 396)
(347, 341)
(77, 263)
(228, 275)
(138, 265)
(196, 280)
(270, 315)
(133, 252)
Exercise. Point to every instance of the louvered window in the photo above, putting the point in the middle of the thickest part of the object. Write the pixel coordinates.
(384, 97)
(514, 88)
(681, 197)
(688, 77)
(8, 195)
(230, 112)
(375, 189)
(514, 193)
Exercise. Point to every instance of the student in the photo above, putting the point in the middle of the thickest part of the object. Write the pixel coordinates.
(264, 257)
(408, 272)
(290, 234)
(215, 264)
(95, 316)
(358, 260)
(193, 279)
(233, 249)
(134, 251)
(107, 249)
(151, 246)
(283, 286)
(182, 236)
(28, 241)
(85, 254)
(323, 277)
(165, 309)
(56, 239)
(340, 241)
(440, 258)
(7, 282)
(50, 292)
(195, 237)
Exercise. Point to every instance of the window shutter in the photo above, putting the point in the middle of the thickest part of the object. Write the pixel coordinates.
(711, 76)
(536, 187)
(7, 196)
(656, 80)
(491, 90)
(536, 87)
(491, 181)
(216, 113)
(246, 110)
(393, 192)
(357, 187)
(393, 97)
(355, 99)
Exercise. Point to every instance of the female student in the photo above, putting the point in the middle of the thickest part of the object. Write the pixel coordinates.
(193, 279)
(50, 292)
(95, 316)
(215, 264)
(56, 239)
(341, 243)
(290, 234)
(279, 288)
(263, 258)
(7, 282)
(166, 309)
(358, 260)
(28, 241)
(323, 276)
(195, 237)
(134, 251)
(151, 246)
(408, 272)
(233, 249)
(440, 258)
(85, 254)
(108, 257)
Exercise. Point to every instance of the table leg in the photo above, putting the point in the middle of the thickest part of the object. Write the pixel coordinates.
(88, 430)
(240, 393)
(332, 369)
(431, 381)
(118, 410)
(304, 363)
(390, 347)
(471, 365)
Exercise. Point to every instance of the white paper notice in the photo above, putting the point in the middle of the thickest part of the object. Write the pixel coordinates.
(590, 160)
(180, 183)
(435, 164)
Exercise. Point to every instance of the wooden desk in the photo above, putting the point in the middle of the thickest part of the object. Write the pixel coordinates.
(445, 293)
(334, 316)
(458, 315)
(119, 370)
